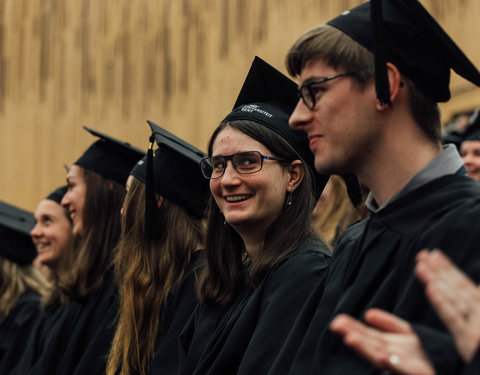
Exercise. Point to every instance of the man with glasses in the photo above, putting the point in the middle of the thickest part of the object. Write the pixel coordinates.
(369, 82)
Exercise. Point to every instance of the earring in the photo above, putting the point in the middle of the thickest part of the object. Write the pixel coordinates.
(289, 199)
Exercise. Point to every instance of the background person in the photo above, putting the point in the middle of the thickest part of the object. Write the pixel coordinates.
(156, 266)
(79, 339)
(21, 284)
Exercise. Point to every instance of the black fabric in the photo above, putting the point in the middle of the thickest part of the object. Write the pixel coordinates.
(176, 172)
(181, 303)
(473, 368)
(15, 328)
(57, 194)
(109, 157)
(245, 337)
(373, 266)
(24, 350)
(413, 41)
(79, 338)
(15, 242)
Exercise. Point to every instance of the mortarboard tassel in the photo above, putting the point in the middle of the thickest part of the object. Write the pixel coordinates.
(150, 202)
(381, 78)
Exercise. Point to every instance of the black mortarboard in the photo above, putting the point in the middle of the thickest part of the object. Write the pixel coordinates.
(404, 33)
(175, 174)
(57, 194)
(109, 157)
(15, 241)
(268, 97)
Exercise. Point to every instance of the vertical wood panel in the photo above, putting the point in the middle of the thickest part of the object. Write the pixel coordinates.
(113, 64)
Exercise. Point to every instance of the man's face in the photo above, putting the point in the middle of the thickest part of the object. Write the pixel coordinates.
(341, 127)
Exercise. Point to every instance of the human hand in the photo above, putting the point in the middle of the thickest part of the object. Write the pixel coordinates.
(388, 342)
(455, 298)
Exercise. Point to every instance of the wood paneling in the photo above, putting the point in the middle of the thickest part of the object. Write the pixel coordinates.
(113, 64)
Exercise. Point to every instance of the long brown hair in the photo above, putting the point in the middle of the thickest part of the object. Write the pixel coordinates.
(102, 227)
(146, 270)
(224, 275)
(15, 280)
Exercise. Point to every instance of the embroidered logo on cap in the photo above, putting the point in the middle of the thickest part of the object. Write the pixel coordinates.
(255, 108)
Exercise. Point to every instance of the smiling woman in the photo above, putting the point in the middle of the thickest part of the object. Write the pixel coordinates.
(52, 231)
(262, 254)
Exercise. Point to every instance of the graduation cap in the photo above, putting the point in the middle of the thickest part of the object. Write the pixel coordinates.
(174, 173)
(268, 97)
(57, 194)
(109, 157)
(15, 241)
(404, 33)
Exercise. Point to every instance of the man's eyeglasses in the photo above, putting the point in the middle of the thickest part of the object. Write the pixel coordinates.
(309, 90)
(243, 162)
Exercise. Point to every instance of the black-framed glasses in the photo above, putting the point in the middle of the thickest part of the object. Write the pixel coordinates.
(308, 90)
(243, 162)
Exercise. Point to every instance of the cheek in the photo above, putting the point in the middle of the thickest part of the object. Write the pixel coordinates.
(215, 188)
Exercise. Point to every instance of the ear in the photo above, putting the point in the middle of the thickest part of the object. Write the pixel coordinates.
(296, 173)
(159, 201)
(395, 82)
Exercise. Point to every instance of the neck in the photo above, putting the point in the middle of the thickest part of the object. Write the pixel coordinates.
(398, 156)
(253, 242)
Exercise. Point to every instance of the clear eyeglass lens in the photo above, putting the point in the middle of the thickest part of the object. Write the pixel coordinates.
(247, 162)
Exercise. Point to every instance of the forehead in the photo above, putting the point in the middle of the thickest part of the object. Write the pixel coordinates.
(75, 172)
(230, 141)
(470, 145)
(316, 69)
(48, 207)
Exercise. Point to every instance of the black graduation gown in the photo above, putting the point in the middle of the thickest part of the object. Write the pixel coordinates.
(473, 368)
(373, 266)
(79, 339)
(245, 337)
(15, 328)
(25, 349)
(181, 303)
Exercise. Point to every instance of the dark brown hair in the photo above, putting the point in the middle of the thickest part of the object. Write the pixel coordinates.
(101, 223)
(224, 275)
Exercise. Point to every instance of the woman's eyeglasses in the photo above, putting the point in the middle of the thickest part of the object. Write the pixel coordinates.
(243, 162)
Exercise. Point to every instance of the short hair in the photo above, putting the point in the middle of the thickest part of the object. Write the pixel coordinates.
(338, 50)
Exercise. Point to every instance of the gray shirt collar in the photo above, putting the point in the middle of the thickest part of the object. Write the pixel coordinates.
(448, 161)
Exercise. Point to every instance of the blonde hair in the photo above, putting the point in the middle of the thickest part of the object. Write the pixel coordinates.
(337, 213)
(15, 280)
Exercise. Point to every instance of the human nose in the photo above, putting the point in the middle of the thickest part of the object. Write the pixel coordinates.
(230, 175)
(65, 200)
(301, 116)
(36, 231)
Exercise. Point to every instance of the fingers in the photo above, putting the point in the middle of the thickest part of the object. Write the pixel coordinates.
(366, 341)
(399, 351)
(386, 322)
(454, 296)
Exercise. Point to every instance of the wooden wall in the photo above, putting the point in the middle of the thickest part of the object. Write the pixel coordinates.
(113, 64)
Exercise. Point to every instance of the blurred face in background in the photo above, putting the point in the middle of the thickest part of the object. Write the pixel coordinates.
(470, 153)
(51, 233)
(74, 198)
